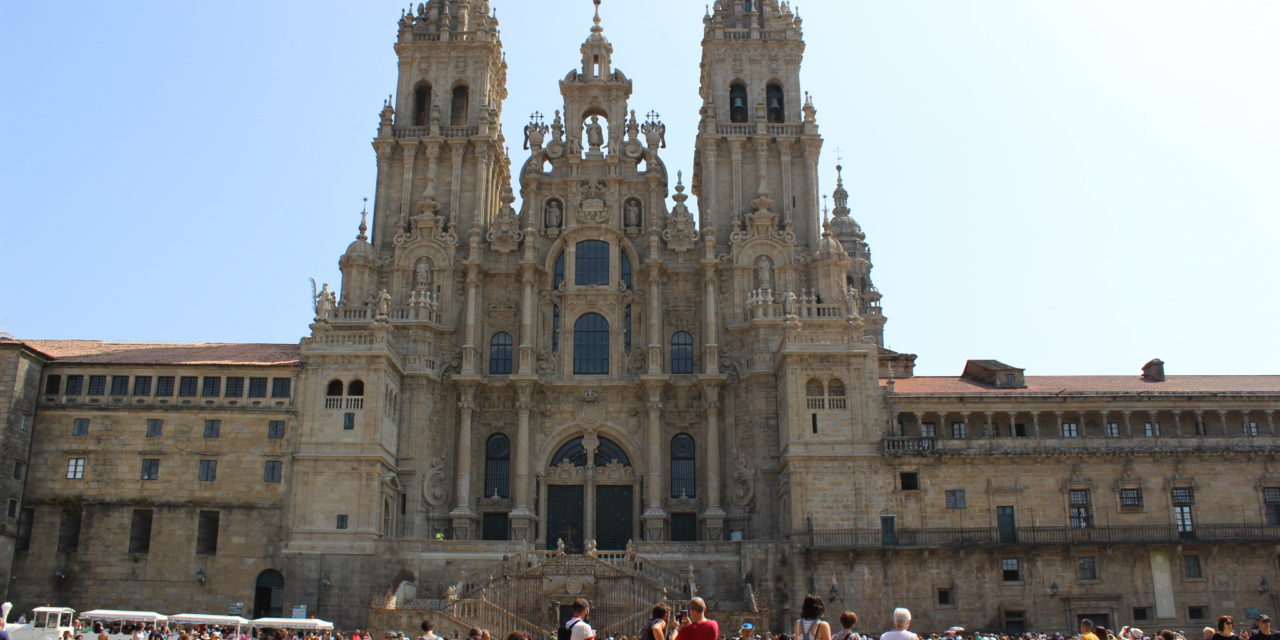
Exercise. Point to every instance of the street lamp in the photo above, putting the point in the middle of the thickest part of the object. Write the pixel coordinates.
(1053, 590)
(200, 577)
(1263, 586)
(834, 592)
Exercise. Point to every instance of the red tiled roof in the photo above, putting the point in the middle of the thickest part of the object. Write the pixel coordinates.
(1092, 384)
(197, 353)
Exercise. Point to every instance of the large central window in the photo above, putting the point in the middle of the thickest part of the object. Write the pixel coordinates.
(591, 344)
(592, 262)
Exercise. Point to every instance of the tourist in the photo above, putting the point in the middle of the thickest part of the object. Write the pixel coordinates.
(1208, 632)
(576, 627)
(901, 624)
(1264, 631)
(847, 620)
(428, 631)
(4, 635)
(747, 632)
(700, 627)
(1086, 630)
(1226, 629)
(658, 620)
(810, 625)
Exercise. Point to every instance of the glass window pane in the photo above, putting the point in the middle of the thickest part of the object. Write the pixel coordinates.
(592, 262)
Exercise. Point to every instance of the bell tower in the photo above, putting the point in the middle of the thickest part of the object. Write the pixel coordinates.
(440, 145)
(758, 140)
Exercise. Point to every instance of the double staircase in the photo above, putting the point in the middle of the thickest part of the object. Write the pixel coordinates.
(524, 592)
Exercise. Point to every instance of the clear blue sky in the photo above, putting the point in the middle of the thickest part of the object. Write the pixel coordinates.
(1069, 186)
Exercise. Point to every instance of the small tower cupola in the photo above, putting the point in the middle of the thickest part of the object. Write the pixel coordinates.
(597, 52)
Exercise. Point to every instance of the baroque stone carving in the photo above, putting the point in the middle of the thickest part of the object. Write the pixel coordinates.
(435, 485)
(681, 233)
(504, 232)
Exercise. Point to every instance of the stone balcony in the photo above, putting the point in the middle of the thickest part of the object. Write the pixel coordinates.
(1033, 536)
(925, 446)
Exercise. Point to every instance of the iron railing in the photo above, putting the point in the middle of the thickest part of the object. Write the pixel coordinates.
(992, 536)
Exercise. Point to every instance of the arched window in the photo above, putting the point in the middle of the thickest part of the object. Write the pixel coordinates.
(458, 110)
(737, 102)
(591, 345)
(836, 394)
(592, 262)
(356, 388)
(268, 594)
(500, 353)
(497, 467)
(335, 388)
(775, 103)
(682, 352)
(626, 270)
(813, 392)
(607, 451)
(559, 272)
(684, 483)
(421, 104)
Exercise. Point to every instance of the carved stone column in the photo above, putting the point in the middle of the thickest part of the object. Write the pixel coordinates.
(382, 199)
(710, 348)
(1128, 426)
(655, 514)
(527, 308)
(463, 515)
(410, 150)
(469, 359)
(523, 519)
(714, 515)
(1271, 425)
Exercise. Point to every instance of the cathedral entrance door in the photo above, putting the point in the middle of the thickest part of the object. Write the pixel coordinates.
(565, 517)
(613, 517)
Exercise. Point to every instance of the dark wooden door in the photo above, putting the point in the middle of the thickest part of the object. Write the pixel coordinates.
(564, 516)
(613, 517)
(1008, 526)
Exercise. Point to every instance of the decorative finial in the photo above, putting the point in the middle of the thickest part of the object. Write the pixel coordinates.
(597, 18)
(364, 227)
(825, 210)
(680, 180)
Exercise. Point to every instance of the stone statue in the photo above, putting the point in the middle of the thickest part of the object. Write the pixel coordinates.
(789, 303)
(633, 128)
(591, 547)
(560, 545)
(325, 302)
(557, 128)
(631, 215)
(595, 133)
(422, 275)
(553, 215)
(384, 303)
(764, 274)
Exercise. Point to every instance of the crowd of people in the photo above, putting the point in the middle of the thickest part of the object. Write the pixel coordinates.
(692, 623)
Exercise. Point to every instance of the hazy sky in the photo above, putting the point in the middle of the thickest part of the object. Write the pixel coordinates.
(1071, 186)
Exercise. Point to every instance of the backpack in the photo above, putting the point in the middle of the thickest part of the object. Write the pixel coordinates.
(647, 632)
(566, 630)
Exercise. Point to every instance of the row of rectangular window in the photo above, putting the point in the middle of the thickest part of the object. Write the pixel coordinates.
(273, 470)
(1081, 510)
(155, 428)
(186, 386)
(959, 430)
(140, 528)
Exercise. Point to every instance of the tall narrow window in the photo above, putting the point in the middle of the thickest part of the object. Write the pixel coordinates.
(1009, 570)
(458, 111)
(80, 427)
(280, 387)
(150, 469)
(737, 102)
(212, 428)
(1081, 512)
(155, 428)
(140, 531)
(272, 471)
(25, 519)
(682, 353)
(187, 386)
(958, 430)
(234, 388)
(74, 385)
(1271, 498)
(142, 386)
(164, 386)
(626, 330)
(626, 270)
(207, 533)
(69, 530)
(500, 353)
(421, 104)
(591, 262)
(1183, 499)
(119, 385)
(558, 278)
(1070, 430)
(75, 468)
(275, 429)
(97, 385)
(53, 385)
(684, 482)
(497, 467)
(555, 327)
(591, 345)
(212, 387)
(257, 387)
(1087, 568)
(208, 471)
(775, 103)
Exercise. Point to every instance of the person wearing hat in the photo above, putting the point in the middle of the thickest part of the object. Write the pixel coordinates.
(1264, 631)
(747, 632)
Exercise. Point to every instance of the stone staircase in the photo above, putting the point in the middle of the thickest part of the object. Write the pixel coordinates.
(525, 590)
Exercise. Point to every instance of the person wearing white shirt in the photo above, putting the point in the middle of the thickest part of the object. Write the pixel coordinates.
(901, 621)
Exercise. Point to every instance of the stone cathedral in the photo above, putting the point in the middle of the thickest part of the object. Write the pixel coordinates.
(595, 394)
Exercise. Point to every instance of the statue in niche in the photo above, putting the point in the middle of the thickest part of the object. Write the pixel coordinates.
(764, 273)
(553, 214)
(422, 275)
(631, 213)
(595, 133)
(384, 303)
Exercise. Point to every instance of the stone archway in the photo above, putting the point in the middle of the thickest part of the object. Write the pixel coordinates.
(268, 595)
(590, 496)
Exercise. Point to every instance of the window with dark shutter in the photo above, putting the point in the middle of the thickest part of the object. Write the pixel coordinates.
(140, 531)
(207, 533)
(69, 530)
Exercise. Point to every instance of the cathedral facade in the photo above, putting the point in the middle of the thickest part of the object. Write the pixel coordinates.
(597, 394)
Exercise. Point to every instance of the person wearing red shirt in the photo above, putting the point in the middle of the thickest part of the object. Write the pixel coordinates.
(700, 626)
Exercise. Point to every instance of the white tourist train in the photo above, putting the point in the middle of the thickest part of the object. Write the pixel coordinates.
(47, 623)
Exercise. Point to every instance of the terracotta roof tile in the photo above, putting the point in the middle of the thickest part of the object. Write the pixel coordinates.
(193, 353)
(1092, 385)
